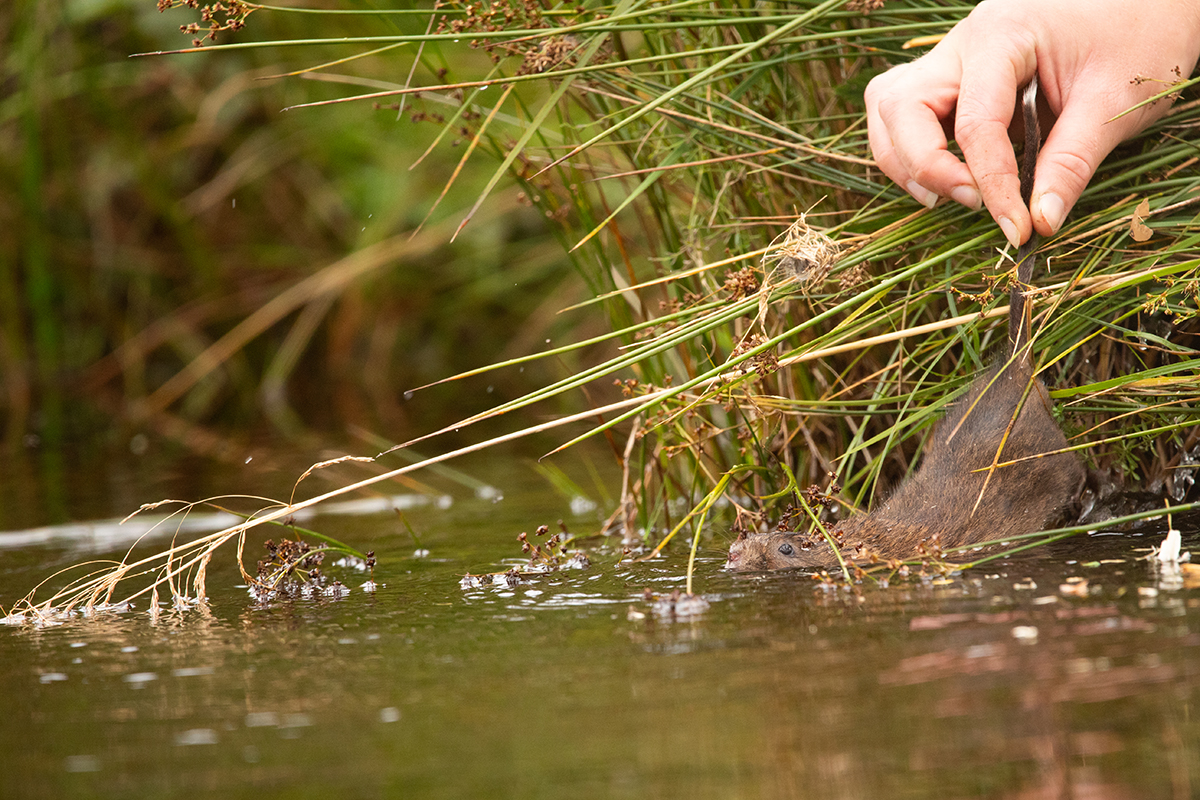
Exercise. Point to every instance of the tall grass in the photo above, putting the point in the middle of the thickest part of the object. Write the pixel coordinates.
(776, 302)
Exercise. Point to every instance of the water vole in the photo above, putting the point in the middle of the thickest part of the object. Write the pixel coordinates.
(949, 497)
(941, 497)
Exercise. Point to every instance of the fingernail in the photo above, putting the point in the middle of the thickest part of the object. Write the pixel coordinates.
(1053, 210)
(1010, 231)
(967, 196)
(923, 195)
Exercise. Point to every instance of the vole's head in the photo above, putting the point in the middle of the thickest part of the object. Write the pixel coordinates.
(766, 551)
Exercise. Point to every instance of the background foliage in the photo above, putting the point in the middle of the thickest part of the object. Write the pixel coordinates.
(154, 210)
(153, 205)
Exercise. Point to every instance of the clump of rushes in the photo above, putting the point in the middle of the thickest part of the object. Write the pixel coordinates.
(777, 302)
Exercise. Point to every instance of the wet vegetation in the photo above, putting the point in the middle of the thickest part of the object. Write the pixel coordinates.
(754, 310)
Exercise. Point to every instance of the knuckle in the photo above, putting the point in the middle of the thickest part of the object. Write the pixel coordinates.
(970, 122)
(1078, 169)
(882, 92)
(998, 19)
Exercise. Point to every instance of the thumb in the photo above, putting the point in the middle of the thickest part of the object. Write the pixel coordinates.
(1080, 139)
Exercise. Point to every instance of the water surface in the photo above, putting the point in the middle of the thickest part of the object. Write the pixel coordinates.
(1008, 681)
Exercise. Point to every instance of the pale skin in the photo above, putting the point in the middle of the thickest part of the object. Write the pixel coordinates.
(1094, 60)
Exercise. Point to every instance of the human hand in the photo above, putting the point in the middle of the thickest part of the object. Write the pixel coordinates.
(1088, 55)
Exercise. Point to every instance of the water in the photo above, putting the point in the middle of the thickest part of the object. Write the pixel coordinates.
(1008, 681)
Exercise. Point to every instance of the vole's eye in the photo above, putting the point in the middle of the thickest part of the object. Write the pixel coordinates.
(786, 549)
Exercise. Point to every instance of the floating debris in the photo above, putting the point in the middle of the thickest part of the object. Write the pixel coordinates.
(544, 558)
(82, 763)
(196, 736)
(191, 672)
(140, 679)
(581, 505)
(489, 493)
(1191, 575)
(506, 580)
(1074, 587)
(578, 560)
(335, 589)
(1025, 633)
(262, 719)
(1169, 553)
(53, 615)
(292, 569)
(351, 562)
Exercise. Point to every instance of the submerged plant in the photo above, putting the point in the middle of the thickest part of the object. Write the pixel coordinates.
(292, 568)
(549, 555)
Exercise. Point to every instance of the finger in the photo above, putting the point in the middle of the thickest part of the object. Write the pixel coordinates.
(905, 127)
(1079, 141)
(981, 130)
(878, 136)
(1065, 166)
(882, 89)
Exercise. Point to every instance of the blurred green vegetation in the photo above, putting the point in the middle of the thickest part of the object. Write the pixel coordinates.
(149, 206)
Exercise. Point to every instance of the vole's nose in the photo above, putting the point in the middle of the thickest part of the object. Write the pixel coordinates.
(735, 552)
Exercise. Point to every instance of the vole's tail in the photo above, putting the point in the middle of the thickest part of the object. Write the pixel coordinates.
(1018, 315)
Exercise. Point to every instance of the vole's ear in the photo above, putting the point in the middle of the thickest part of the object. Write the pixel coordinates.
(741, 537)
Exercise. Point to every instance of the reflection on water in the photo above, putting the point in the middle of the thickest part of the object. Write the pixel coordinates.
(1070, 673)
(184, 521)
